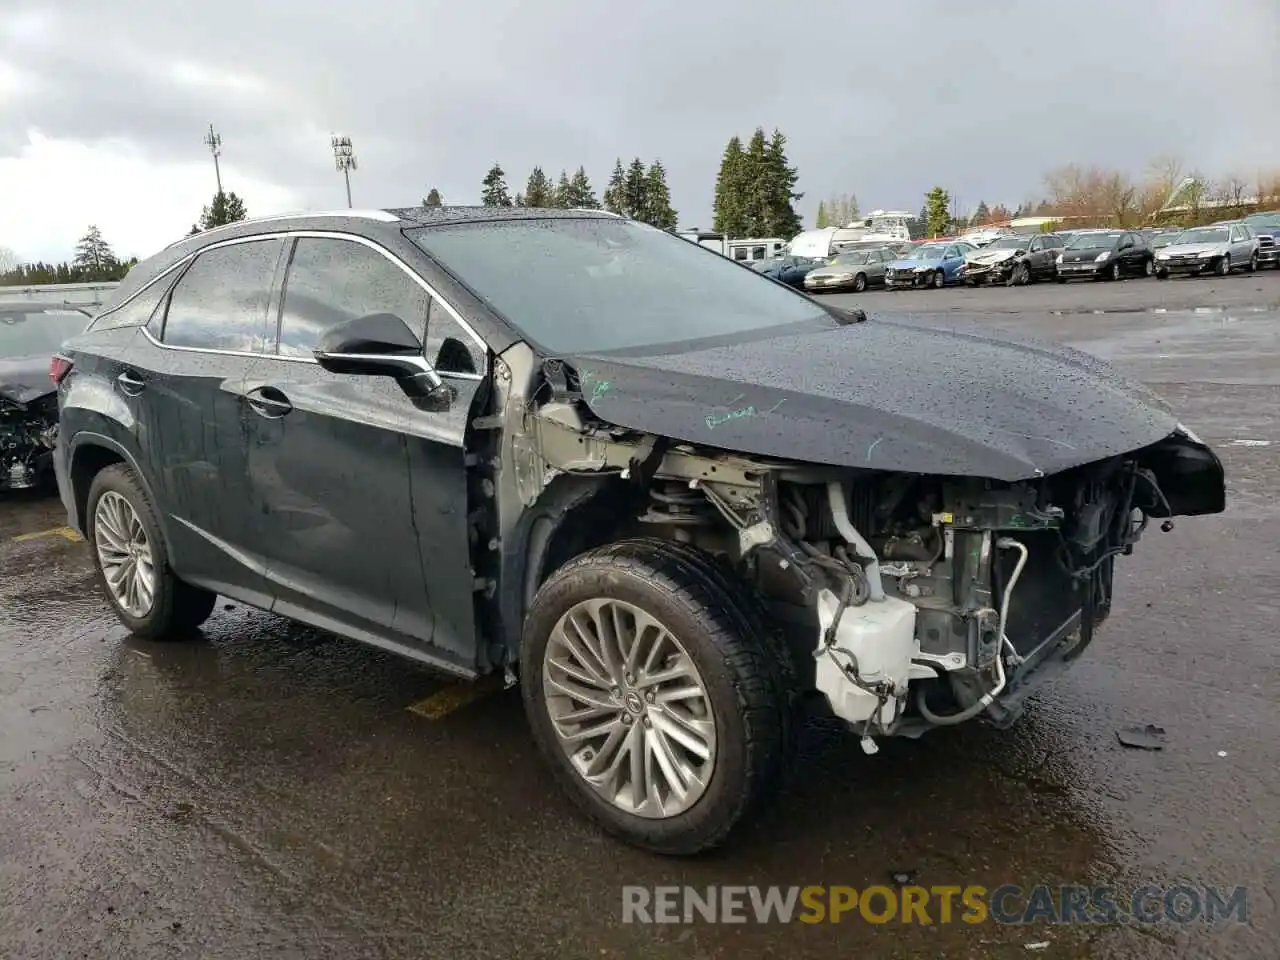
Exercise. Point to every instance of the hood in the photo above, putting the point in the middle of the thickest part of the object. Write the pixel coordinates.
(1078, 254)
(888, 395)
(837, 270)
(910, 264)
(24, 379)
(1183, 249)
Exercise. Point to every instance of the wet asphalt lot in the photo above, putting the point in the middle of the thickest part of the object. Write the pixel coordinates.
(271, 791)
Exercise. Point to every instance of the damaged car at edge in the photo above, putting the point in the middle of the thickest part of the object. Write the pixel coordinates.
(675, 502)
(30, 334)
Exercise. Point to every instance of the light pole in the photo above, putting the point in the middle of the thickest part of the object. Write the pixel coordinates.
(214, 142)
(344, 160)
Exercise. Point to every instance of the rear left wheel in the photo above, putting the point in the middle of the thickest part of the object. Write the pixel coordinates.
(1021, 276)
(132, 560)
(653, 692)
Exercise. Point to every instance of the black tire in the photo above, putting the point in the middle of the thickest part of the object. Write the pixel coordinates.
(1115, 273)
(1059, 279)
(1253, 263)
(1162, 274)
(177, 608)
(1223, 266)
(937, 279)
(1149, 267)
(745, 672)
(859, 283)
(1021, 275)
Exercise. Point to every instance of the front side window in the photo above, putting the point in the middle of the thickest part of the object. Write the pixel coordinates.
(588, 285)
(331, 281)
(221, 302)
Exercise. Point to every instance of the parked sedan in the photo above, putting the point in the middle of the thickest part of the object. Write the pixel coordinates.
(1014, 259)
(788, 270)
(855, 270)
(1105, 255)
(1219, 249)
(929, 265)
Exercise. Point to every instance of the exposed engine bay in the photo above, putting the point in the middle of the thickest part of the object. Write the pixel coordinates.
(27, 435)
(908, 601)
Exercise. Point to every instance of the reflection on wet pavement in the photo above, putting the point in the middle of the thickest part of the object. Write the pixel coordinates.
(265, 790)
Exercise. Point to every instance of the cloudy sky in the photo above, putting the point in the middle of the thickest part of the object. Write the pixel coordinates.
(103, 106)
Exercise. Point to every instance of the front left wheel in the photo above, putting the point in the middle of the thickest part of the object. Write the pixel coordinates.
(132, 560)
(653, 692)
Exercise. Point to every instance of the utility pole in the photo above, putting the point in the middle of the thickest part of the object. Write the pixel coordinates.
(344, 160)
(214, 142)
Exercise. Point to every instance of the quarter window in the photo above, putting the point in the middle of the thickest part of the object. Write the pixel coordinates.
(331, 281)
(221, 301)
(137, 311)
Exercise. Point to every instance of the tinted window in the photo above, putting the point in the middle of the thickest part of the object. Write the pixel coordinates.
(137, 311)
(221, 301)
(1036, 244)
(591, 284)
(449, 347)
(332, 281)
(1053, 242)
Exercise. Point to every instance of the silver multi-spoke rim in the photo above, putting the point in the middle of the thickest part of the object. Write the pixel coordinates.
(630, 708)
(124, 553)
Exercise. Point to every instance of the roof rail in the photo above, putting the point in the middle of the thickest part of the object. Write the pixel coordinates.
(380, 215)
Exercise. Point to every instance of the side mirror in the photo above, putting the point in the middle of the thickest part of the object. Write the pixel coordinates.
(382, 345)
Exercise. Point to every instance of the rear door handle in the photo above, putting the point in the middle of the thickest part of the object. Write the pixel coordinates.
(130, 383)
(269, 402)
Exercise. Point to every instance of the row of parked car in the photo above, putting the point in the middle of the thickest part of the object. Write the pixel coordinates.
(1019, 259)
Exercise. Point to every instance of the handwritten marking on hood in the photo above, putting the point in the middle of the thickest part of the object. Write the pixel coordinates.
(713, 420)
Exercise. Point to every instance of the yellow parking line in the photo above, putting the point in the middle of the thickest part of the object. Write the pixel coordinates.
(454, 697)
(65, 532)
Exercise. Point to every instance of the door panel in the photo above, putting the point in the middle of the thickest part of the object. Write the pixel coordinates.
(358, 496)
(193, 417)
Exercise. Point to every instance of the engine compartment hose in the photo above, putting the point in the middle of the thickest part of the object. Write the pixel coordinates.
(840, 514)
(981, 704)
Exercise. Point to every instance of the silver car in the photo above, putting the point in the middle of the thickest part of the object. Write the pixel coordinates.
(852, 270)
(1219, 249)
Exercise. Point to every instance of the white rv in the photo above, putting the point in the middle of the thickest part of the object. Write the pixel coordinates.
(742, 250)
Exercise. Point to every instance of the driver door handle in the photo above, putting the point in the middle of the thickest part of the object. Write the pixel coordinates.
(268, 402)
(130, 383)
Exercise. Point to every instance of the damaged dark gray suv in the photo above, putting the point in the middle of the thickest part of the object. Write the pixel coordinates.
(672, 499)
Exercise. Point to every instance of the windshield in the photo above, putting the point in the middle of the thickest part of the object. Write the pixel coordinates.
(851, 259)
(594, 285)
(1164, 239)
(1204, 235)
(930, 251)
(1269, 220)
(30, 333)
(1084, 241)
(1007, 243)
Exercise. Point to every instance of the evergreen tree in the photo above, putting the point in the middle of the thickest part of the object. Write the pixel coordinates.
(433, 199)
(564, 192)
(495, 188)
(781, 218)
(923, 217)
(937, 203)
(519, 200)
(981, 215)
(94, 256)
(581, 196)
(657, 199)
(225, 208)
(635, 198)
(615, 194)
(756, 188)
(728, 206)
(822, 220)
(539, 191)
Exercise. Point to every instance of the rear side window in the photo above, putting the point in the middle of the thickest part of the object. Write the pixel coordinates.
(221, 301)
(331, 281)
(137, 311)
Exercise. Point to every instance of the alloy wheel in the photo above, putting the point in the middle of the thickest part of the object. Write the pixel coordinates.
(629, 708)
(124, 553)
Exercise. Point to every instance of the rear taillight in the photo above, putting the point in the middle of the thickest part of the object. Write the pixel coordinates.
(59, 367)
